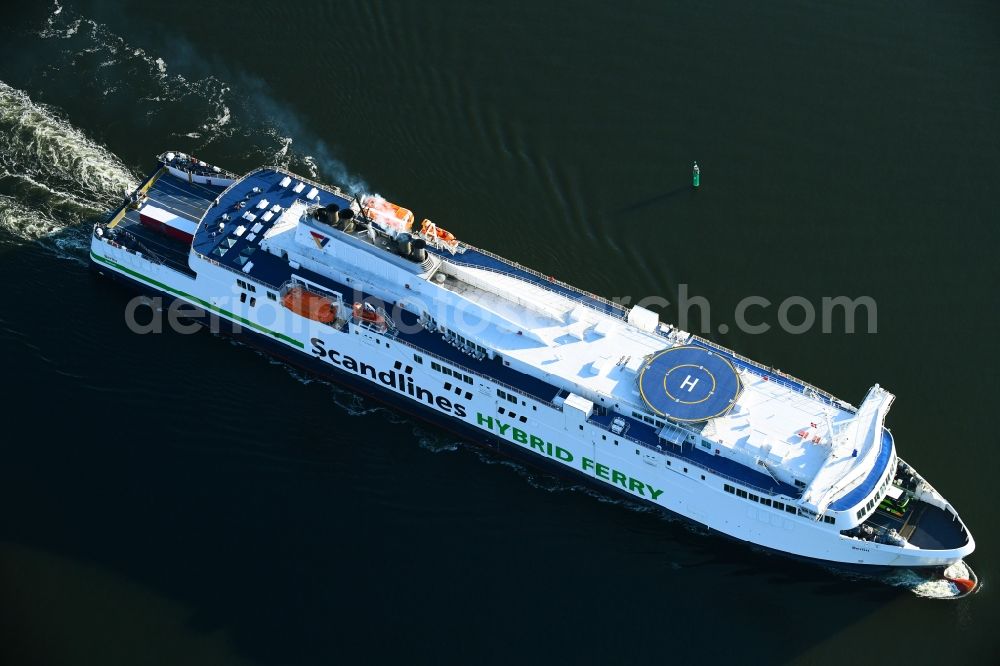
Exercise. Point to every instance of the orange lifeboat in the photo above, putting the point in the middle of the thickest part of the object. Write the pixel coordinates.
(310, 305)
(428, 228)
(388, 215)
(369, 315)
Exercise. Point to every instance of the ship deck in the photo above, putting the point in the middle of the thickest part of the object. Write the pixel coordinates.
(187, 200)
(241, 199)
(473, 257)
(233, 242)
(924, 526)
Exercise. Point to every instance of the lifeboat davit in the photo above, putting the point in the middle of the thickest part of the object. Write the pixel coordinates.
(310, 305)
(428, 228)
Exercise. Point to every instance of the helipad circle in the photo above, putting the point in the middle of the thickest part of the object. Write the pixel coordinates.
(689, 384)
(699, 373)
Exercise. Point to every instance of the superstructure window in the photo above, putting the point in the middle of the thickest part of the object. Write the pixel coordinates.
(418, 358)
(728, 488)
(790, 509)
(435, 366)
(241, 284)
(829, 519)
(271, 296)
(779, 505)
(741, 493)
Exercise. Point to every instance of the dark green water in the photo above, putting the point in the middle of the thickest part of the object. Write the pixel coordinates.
(180, 499)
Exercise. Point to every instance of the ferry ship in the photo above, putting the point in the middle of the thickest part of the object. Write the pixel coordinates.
(353, 289)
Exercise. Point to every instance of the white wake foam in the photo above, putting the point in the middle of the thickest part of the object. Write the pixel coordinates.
(936, 588)
(25, 222)
(58, 174)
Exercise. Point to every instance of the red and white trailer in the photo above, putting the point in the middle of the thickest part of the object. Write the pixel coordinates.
(167, 223)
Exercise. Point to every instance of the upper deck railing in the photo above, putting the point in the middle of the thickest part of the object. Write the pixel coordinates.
(778, 377)
(621, 310)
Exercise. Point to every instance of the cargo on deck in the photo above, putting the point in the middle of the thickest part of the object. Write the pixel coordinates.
(167, 223)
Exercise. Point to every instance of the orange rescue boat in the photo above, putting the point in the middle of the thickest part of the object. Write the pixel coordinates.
(309, 304)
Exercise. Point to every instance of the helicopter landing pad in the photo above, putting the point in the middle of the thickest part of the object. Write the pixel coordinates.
(689, 384)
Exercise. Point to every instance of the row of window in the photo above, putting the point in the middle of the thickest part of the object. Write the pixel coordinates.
(243, 284)
(774, 504)
(253, 299)
(448, 371)
(522, 418)
(863, 511)
(648, 419)
(503, 395)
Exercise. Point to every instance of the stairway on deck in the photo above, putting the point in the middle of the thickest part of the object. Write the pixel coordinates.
(912, 518)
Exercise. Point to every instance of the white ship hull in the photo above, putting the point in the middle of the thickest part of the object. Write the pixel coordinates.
(554, 436)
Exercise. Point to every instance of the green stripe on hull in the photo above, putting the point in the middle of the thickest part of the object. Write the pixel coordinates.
(196, 300)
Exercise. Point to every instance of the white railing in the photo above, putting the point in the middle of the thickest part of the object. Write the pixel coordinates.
(622, 311)
(784, 379)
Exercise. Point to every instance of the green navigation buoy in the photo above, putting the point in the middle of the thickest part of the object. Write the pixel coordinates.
(695, 176)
